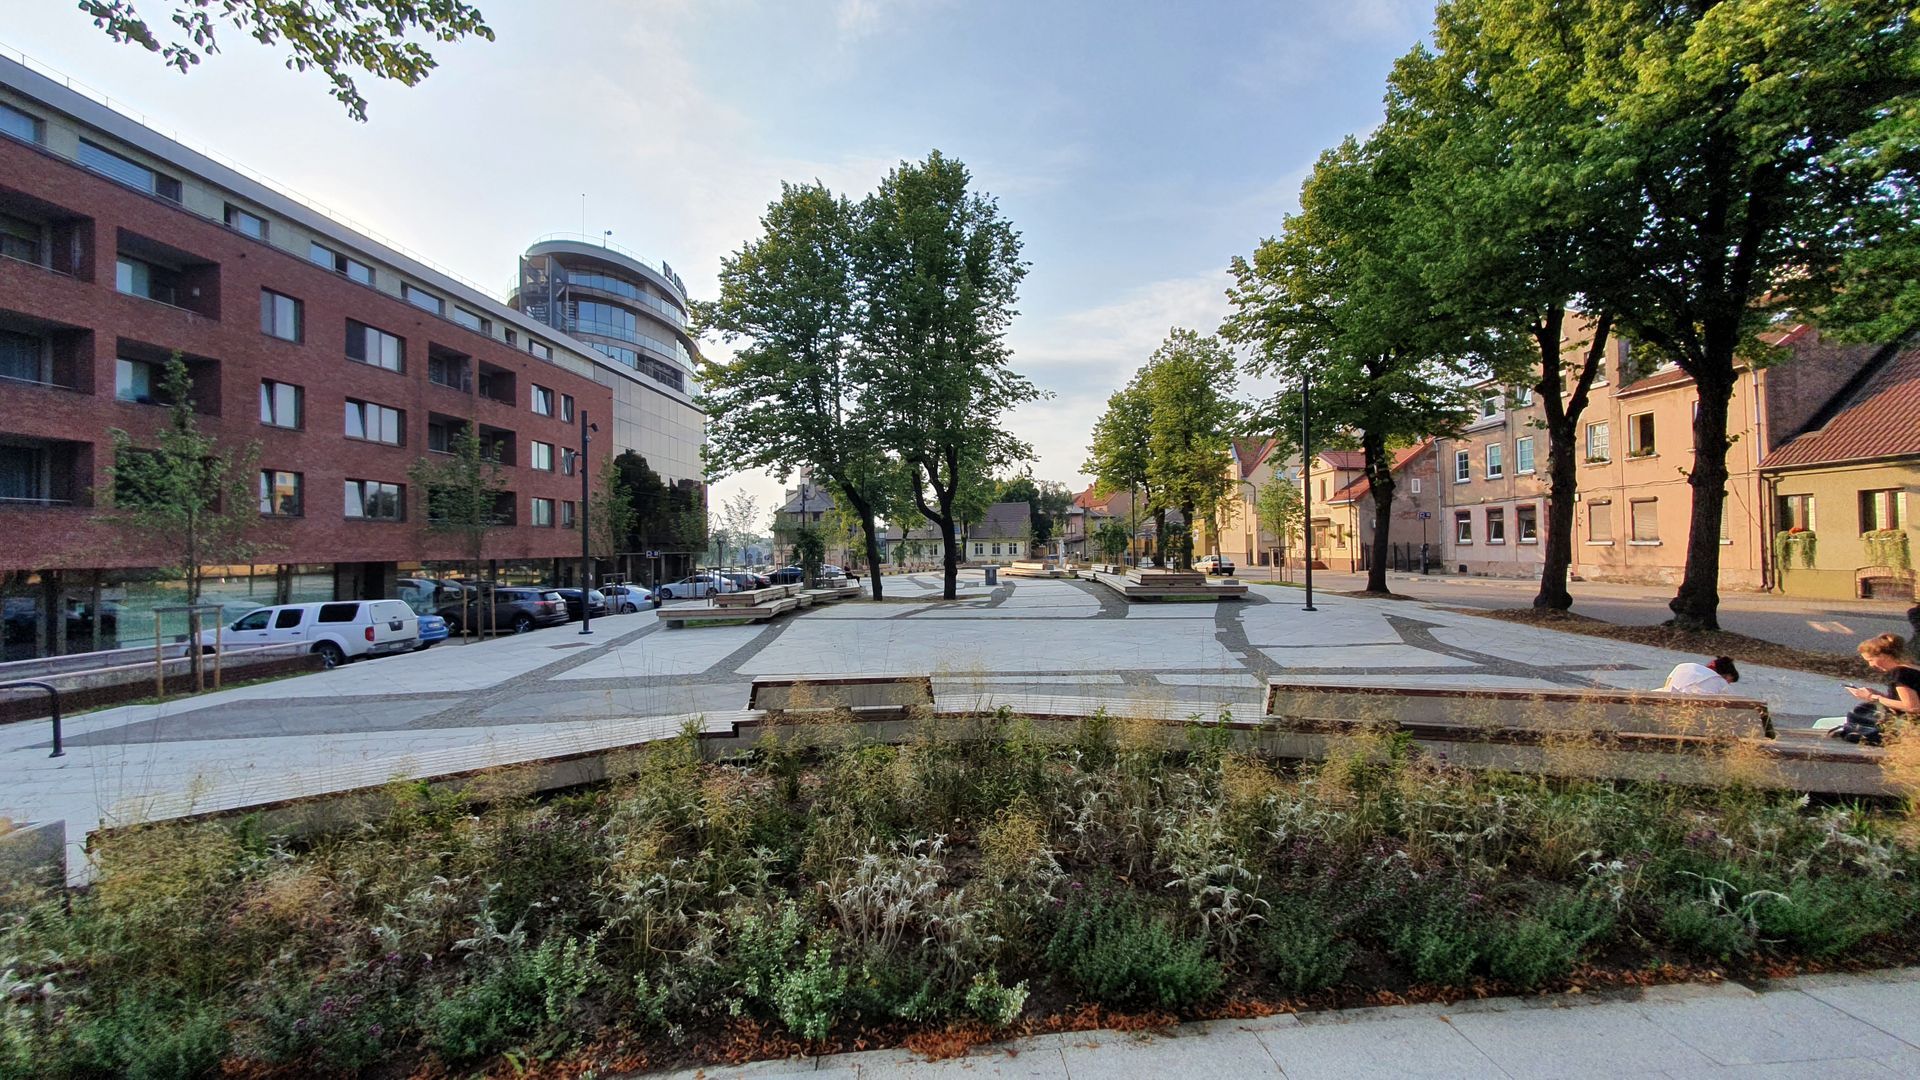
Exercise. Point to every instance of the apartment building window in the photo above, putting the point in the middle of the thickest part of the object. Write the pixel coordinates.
(1599, 442)
(566, 407)
(26, 474)
(1523, 455)
(1600, 521)
(1640, 435)
(1795, 513)
(136, 277)
(23, 358)
(513, 336)
(281, 404)
(375, 423)
(542, 400)
(1646, 520)
(541, 456)
(1496, 460)
(135, 381)
(567, 511)
(1489, 406)
(472, 320)
(1462, 467)
(279, 493)
(542, 512)
(423, 299)
(1526, 523)
(1496, 526)
(20, 239)
(449, 370)
(340, 263)
(1522, 396)
(281, 316)
(375, 347)
(540, 349)
(18, 124)
(131, 173)
(567, 458)
(1463, 526)
(246, 222)
(372, 500)
(1879, 509)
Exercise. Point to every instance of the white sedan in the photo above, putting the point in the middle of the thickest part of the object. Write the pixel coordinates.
(625, 599)
(695, 586)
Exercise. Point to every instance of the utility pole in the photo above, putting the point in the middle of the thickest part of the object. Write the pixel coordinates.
(1306, 481)
(586, 531)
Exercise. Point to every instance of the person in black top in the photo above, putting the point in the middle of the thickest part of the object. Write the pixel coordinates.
(1885, 654)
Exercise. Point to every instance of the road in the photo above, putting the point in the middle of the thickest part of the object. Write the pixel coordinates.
(1832, 626)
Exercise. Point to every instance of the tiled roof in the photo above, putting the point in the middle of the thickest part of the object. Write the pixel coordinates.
(1005, 519)
(1251, 452)
(1659, 380)
(1881, 421)
(1345, 459)
(1355, 490)
(816, 499)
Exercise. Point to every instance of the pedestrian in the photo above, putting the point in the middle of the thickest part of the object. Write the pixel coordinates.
(1885, 654)
(1714, 677)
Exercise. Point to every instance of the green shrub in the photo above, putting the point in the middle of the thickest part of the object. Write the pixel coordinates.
(1705, 929)
(809, 997)
(1301, 953)
(1122, 954)
(1528, 953)
(1439, 944)
(994, 1003)
(149, 1039)
(347, 1020)
(1826, 916)
(525, 995)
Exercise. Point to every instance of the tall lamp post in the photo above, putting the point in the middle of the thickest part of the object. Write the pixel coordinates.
(586, 531)
(1306, 481)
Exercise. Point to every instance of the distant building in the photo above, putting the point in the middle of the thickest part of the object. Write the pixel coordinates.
(1416, 501)
(1004, 533)
(1243, 538)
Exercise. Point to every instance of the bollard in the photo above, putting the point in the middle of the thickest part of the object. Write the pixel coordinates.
(53, 696)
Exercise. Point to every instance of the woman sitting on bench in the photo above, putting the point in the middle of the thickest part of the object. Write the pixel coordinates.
(1885, 654)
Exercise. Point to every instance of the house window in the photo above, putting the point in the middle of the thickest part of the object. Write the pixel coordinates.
(375, 423)
(1496, 526)
(23, 357)
(542, 512)
(280, 316)
(1526, 522)
(131, 173)
(1462, 467)
(137, 278)
(1646, 520)
(375, 347)
(280, 404)
(371, 500)
(566, 407)
(1640, 435)
(1880, 509)
(996, 549)
(423, 299)
(567, 511)
(279, 493)
(472, 320)
(1796, 513)
(542, 456)
(1496, 461)
(542, 400)
(1463, 526)
(18, 124)
(134, 380)
(1600, 521)
(1522, 396)
(340, 263)
(1415, 488)
(979, 549)
(1523, 455)
(242, 221)
(540, 349)
(1599, 442)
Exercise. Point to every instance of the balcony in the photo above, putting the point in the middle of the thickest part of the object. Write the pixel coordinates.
(36, 352)
(45, 235)
(497, 384)
(44, 472)
(140, 375)
(166, 275)
(449, 368)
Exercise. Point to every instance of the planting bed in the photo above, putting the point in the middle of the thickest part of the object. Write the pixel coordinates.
(979, 878)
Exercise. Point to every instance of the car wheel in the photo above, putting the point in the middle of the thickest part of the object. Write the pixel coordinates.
(522, 623)
(330, 654)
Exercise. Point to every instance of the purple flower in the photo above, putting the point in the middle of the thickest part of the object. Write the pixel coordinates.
(374, 1031)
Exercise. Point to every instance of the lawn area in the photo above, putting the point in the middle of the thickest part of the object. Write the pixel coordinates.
(975, 880)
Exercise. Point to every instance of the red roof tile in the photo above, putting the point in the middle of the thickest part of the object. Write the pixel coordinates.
(1345, 459)
(1251, 452)
(1882, 421)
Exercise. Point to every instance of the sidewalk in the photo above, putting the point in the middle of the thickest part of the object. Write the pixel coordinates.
(1818, 1027)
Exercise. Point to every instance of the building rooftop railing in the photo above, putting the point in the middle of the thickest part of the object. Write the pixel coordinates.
(659, 266)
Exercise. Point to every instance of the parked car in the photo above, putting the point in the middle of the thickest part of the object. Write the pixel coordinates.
(515, 608)
(597, 603)
(787, 575)
(745, 579)
(1215, 564)
(695, 586)
(433, 629)
(626, 599)
(339, 630)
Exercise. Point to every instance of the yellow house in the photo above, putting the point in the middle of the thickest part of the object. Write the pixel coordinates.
(1845, 487)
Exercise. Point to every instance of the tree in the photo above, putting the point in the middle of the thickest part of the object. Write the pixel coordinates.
(1279, 509)
(1112, 539)
(462, 498)
(939, 269)
(1118, 457)
(185, 494)
(1338, 299)
(742, 515)
(790, 399)
(614, 513)
(331, 35)
(1187, 383)
(1770, 146)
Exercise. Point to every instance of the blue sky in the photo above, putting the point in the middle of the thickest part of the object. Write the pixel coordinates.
(1137, 147)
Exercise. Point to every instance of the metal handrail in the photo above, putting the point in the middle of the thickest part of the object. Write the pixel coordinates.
(53, 693)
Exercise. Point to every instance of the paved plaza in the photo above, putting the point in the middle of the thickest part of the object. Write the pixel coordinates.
(556, 691)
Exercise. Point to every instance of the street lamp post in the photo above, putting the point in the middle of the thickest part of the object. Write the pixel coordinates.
(586, 532)
(1306, 480)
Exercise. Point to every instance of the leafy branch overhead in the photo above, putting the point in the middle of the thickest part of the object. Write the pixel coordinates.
(332, 36)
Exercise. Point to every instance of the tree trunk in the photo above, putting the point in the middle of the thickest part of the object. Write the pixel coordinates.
(873, 549)
(1184, 555)
(1160, 537)
(1379, 463)
(1697, 605)
(1562, 483)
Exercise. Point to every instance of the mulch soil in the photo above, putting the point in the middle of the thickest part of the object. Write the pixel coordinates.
(1708, 643)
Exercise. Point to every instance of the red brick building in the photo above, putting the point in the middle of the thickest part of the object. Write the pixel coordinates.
(344, 361)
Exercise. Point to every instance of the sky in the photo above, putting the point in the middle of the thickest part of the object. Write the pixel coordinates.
(1137, 147)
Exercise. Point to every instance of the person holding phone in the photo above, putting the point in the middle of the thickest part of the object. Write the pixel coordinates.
(1887, 655)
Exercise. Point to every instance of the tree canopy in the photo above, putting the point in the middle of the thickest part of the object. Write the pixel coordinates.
(1188, 384)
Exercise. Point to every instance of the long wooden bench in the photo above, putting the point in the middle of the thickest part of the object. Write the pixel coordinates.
(867, 696)
(1169, 585)
(758, 605)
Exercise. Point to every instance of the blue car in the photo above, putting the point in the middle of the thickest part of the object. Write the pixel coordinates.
(432, 628)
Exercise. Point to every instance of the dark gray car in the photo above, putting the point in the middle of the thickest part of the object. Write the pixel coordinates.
(516, 609)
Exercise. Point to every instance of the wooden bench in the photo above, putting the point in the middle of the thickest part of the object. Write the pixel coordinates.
(1152, 584)
(866, 696)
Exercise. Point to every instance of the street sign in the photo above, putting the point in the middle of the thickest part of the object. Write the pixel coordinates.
(653, 554)
(1425, 514)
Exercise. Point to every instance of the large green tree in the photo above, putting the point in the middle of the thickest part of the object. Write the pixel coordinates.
(1188, 383)
(334, 36)
(1279, 508)
(939, 270)
(1338, 299)
(1119, 455)
(791, 397)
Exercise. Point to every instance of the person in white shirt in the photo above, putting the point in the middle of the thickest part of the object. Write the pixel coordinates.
(1713, 678)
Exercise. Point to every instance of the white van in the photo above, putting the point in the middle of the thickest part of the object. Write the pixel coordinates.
(338, 630)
